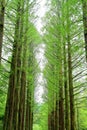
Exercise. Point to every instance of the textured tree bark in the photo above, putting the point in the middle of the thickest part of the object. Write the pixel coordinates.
(52, 120)
(17, 89)
(55, 119)
(84, 4)
(11, 105)
(71, 92)
(49, 122)
(50, 117)
(67, 126)
(57, 115)
(70, 78)
(27, 116)
(10, 97)
(19, 104)
(29, 113)
(61, 98)
(61, 109)
(2, 12)
(21, 120)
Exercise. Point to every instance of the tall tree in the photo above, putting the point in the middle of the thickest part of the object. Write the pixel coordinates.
(11, 106)
(66, 91)
(2, 12)
(71, 91)
(84, 5)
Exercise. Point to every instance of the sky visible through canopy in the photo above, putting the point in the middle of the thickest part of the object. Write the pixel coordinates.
(40, 87)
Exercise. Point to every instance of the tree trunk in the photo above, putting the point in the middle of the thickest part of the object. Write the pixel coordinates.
(66, 92)
(57, 115)
(21, 119)
(2, 11)
(61, 109)
(11, 90)
(11, 106)
(70, 78)
(29, 112)
(49, 122)
(22, 102)
(84, 4)
(21, 76)
(61, 98)
(71, 92)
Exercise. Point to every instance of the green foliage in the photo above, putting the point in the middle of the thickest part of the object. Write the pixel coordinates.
(83, 119)
(37, 127)
(41, 116)
(4, 74)
(56, 32)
